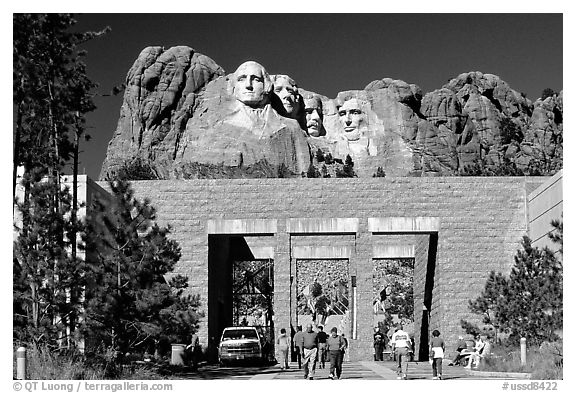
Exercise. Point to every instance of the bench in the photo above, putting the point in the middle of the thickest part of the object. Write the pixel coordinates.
(485, 353)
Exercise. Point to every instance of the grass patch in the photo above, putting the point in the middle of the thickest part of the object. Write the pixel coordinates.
(46, 364)
(544, 362)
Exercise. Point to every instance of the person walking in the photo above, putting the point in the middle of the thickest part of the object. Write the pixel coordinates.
(401, 346)
(297, 347)
(194, 350)
(436, 354)
(309, 348)
(378, 344)
(322, 336)
(335, 346)
(283, 344)
(345, 347)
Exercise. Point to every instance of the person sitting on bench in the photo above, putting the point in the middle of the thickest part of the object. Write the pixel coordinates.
(459, 348)
(477, 354)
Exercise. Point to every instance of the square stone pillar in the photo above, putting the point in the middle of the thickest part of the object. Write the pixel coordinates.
(361, 265)
(282, 284)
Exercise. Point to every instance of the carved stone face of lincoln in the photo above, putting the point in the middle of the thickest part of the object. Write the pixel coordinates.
(313, 110)
(351, 118)
(252, 84)
(285, 88)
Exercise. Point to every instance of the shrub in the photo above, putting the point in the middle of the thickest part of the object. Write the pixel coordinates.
(45, 364)
(547, 92)
(544, 362)
(135, 169)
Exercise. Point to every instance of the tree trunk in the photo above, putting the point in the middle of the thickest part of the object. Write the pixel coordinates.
(16, 158)
(35, 305)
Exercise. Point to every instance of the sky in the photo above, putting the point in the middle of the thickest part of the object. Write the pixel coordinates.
(328, 53)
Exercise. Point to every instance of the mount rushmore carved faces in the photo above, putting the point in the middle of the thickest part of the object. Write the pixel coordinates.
(252, 84)
(351, 118)
(313, 110)
(285, 88)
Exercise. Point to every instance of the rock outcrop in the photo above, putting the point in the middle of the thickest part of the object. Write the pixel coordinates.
(178, 111)
(162, 89)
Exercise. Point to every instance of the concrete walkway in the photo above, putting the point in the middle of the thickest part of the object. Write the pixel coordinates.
(350, 371)
(363, 370)
(386, 370)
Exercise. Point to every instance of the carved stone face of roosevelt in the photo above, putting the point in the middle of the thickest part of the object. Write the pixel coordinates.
(285, 88)
(351, 118)
(251, 84)
(313, 109)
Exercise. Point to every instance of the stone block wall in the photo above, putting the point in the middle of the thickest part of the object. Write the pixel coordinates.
(480, 220)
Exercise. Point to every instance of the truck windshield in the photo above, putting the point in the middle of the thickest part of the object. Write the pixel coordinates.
(238, 334)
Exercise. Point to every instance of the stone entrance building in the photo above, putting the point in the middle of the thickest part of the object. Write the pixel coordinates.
(456, 229)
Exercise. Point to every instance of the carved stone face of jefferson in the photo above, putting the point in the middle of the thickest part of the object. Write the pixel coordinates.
(285, 88)
(351, 118)
(252, 84)
(313, 110)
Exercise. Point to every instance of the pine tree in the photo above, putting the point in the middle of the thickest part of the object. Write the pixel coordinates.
(529, 302)
(379, 172)
(328, 159)
(348, 168)
(547, 92)
(52, 92)
(557, 234)
(135, 169)
(312, 172)
(130, 305)
(46, 276)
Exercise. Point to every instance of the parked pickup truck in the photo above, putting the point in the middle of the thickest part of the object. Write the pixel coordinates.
(243, 343)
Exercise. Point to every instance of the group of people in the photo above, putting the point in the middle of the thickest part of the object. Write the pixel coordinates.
(312, 348)
(403, 350)
(470, 358)
(464, 355)
(480, 350)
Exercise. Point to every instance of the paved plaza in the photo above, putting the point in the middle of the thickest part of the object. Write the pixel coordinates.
(363, 370)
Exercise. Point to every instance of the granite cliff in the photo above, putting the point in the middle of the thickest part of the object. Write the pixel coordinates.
(180, 118)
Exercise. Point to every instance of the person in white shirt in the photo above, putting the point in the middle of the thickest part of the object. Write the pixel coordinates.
(475, 356)
(402, 346)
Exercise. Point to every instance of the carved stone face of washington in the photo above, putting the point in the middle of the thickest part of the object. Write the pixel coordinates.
(252, 84)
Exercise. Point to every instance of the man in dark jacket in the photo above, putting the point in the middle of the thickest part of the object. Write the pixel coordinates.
(308, 345)
(322, 355)
(297, 348)
(379, 344)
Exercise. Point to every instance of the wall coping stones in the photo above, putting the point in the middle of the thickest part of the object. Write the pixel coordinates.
(322, 225)
(404, 224)
(392, 251)
(321, 252)
(241, 227)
